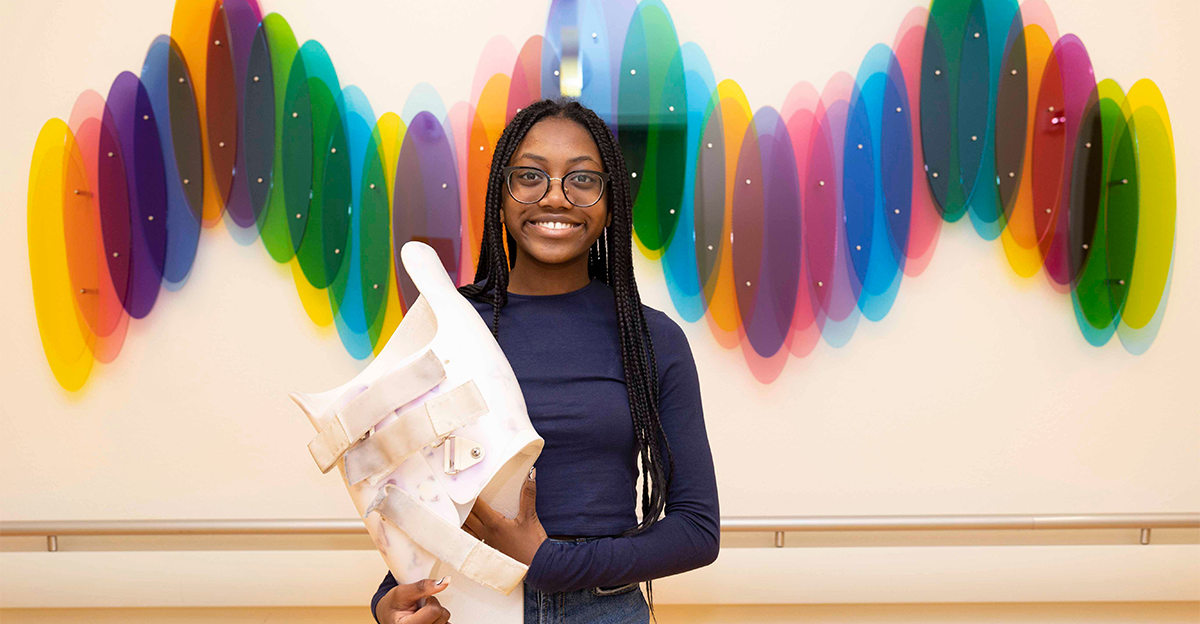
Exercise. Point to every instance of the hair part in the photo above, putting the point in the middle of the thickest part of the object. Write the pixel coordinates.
(610, 260)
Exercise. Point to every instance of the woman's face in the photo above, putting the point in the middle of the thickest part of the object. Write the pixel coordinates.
(553, 231)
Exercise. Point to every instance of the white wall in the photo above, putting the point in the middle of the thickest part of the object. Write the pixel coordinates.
(976, 394)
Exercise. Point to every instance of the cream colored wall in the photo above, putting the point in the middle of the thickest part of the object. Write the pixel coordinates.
(976, 394)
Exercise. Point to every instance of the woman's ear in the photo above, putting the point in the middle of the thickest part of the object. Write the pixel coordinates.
(608, 220)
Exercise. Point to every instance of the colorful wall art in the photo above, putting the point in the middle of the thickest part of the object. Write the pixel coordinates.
(779, 226)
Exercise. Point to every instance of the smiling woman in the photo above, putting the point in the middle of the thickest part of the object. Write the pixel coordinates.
(554, 226)
(610, 384)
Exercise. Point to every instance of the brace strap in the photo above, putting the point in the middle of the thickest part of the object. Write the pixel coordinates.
(425, 424)
(381, 398)
(453, 546)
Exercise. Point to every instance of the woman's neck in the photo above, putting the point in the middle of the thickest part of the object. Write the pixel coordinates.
(530, 277)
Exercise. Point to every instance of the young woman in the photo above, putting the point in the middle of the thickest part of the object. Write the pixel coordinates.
(610, 384)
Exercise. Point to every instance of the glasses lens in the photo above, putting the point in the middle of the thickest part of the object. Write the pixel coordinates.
(527, 185)
(583, 187)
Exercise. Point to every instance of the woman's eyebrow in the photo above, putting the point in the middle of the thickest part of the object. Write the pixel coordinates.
(543, 159)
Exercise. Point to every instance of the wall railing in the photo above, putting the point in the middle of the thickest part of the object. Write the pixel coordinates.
(779, 525)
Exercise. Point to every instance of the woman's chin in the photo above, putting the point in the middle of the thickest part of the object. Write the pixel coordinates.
(558, 256)
(554, 250)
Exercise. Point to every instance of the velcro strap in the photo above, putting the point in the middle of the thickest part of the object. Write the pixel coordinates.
(453, 546)
(381, 398)
(412, 430)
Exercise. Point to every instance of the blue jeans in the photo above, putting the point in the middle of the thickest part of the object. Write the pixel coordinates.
(594, 605)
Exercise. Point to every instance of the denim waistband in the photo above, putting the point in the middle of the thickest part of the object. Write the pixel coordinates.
(574, 540)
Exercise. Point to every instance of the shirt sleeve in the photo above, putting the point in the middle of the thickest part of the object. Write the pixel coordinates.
(689, 534)
(388, 583)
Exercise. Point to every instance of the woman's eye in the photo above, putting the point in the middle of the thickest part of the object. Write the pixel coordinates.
(584, 179)
(530, 177)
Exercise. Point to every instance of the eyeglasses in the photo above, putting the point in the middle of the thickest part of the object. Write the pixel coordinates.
(528, 185)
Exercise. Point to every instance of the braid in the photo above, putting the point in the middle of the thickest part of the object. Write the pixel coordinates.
(610, 260)
(630, 316)
(493, 265)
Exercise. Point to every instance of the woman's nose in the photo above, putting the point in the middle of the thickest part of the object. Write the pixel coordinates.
(556, 195)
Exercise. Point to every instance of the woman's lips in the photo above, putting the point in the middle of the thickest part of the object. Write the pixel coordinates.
(554, 229)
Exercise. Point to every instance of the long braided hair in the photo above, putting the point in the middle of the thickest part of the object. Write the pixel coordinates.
(610, 260)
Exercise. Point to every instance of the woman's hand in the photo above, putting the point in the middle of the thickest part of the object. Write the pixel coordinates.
(519, 537)
(413, 603)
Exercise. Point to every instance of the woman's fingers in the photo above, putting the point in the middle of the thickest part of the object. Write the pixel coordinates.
(529, 500)
(473, 526)
(407, 596)
(432, 613)
(485, 513)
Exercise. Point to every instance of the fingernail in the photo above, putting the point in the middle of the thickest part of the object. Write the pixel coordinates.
(442, 581)
(533, 473)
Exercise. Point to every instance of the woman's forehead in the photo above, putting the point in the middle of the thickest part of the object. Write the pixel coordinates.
(556, 140)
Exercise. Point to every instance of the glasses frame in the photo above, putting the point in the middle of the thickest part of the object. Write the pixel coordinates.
(508, 171)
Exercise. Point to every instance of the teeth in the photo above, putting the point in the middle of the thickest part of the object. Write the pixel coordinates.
(554, 225)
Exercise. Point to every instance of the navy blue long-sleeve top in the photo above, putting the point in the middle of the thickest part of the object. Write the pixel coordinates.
(566, 354)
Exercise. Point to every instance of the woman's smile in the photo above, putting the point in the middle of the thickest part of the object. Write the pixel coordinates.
(554, 227)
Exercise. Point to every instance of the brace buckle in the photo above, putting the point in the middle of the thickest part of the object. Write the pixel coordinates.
(459, 453)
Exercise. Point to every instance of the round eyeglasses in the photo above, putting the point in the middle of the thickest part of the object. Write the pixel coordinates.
(528, 185)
